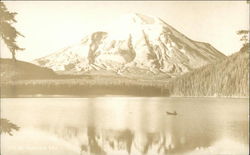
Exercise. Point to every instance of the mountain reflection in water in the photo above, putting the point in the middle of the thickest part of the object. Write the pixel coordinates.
(128, 142)
(134, 125)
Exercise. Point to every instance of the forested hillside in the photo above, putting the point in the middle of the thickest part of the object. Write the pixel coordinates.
(20, 70)
(229, 77)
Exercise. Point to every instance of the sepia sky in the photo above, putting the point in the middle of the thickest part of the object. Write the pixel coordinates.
(51, 25)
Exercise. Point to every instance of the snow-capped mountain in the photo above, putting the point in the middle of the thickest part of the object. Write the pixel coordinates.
(134, 42)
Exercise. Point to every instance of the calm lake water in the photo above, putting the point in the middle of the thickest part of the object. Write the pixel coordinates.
(126, 125)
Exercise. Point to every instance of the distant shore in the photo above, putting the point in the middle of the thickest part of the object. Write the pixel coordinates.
(64, 90)
(81, 90)
(243, 97)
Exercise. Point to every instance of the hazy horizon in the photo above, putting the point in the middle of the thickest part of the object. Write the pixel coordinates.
(50, 26)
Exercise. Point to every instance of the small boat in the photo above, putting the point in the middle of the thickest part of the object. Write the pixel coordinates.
(171, 113)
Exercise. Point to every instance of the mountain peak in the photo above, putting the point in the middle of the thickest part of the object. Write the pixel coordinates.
(134, 23)
(139, 18)
(134, 42)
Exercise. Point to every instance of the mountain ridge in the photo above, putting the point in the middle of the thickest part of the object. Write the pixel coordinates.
(135, 41)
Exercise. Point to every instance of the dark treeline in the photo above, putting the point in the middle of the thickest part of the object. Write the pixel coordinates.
(229, 77)
(17, 90)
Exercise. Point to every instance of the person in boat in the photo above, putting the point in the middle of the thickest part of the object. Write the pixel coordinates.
(172, 113)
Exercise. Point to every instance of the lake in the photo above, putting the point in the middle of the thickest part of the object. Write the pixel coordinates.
(126, 125)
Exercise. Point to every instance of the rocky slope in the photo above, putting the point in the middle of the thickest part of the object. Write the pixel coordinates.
(134, 43)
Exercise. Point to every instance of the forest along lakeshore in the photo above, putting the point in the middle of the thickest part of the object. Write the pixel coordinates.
(138, 86)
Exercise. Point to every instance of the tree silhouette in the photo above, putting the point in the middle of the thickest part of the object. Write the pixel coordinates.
(245, 35)
(7, 127)
(8, 32)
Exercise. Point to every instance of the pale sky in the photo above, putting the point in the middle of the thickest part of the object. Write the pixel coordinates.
(51, 25)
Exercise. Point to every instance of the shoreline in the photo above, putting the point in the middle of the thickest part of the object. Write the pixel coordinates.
(232, 97)
(115, 96)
